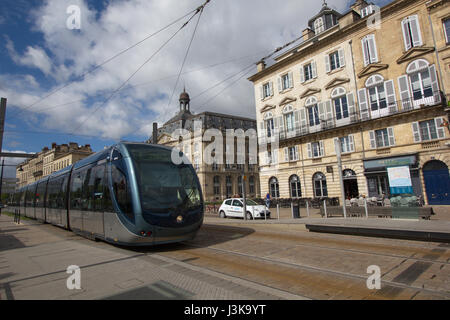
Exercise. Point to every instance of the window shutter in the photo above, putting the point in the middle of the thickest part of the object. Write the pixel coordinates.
(329, 111)
(391, 136)
(286, 154)
(390, 96)
(405, 95)
(281, 125)
(309, 151)
(415, 30)
(261, 129)
(416, 132)
(296, 121)
(303, 121)
(280, 86)
(363, 104)
(351, 107)
(372, 49)
(440, 130)
(435, 84)
(322, 149)
(351, 140)
(314, 69)
(373, 143)
(321, 111)
(406, 38)
(327, 63)
(302, 74)
(365, 49)
(341, 58)
(297, 156)
(271, 88)
(291, 80)
(275, 156)
(261, 92)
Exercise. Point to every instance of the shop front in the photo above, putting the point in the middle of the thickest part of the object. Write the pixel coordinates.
(393, 176)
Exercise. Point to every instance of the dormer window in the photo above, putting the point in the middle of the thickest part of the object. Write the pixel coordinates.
(367, 11)
(319, 25)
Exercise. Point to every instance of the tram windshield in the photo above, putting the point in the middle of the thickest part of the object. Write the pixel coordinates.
(163, 185)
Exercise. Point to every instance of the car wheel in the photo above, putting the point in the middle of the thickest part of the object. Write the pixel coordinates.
(249, 216)
(222, 214)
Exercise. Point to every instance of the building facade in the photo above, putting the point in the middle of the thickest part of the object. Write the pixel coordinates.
(219, 180)
(370, 82)
(50, 160)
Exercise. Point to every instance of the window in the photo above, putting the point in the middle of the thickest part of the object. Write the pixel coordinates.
(274, 188)
(316, 149)
(377, 98)
(369, 50)
(367, 11)
(291, 154)
(289, 118)
(382, 138)
(421, 85)
(285, 82)
(237, 203)
(240, 185)
(347, 144)
(216, 185)
(270, 127)
(428, 130)
(319, 26)
(229, 185)
(320, 185)
(294, 184)
(313, 115)
(251, 184)
(121, 185)
(334, 61)
(411, 32)
(446, 24)
(228, 202)
(266, 90)
(341, 107)
(308, 72)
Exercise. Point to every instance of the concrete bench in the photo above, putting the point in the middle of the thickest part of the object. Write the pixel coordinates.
(381, 212)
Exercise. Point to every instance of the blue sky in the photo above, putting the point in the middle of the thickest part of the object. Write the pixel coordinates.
(38, 54)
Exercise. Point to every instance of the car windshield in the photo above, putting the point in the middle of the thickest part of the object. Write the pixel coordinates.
(163, 185)
(251, 203)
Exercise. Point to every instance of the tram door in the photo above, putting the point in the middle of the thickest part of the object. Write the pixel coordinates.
(437, 182)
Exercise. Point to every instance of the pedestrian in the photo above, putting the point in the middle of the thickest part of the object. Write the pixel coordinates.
(268, 200)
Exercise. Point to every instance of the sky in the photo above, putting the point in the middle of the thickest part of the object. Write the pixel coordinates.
(55, 93)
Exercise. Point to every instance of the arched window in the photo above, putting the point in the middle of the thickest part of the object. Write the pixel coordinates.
(320, 185)
(288, 112)
(340, 103)
(420, 78)
(269, 123)
(313, 111)
(274, 188)
(295, 187)
(319, 25)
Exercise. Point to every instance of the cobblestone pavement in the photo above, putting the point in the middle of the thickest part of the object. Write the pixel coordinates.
(231, 261)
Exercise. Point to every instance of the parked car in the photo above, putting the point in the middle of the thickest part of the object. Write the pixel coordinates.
(234, 207)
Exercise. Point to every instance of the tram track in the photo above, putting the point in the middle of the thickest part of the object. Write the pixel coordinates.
(210, 251)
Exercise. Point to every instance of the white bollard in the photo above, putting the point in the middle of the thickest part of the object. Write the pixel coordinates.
(325, 208)
(278, 211)
(366, 209)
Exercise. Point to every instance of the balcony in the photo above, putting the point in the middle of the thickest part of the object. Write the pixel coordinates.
(364, 115)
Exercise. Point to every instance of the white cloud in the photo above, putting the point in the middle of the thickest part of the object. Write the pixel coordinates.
(228, 29)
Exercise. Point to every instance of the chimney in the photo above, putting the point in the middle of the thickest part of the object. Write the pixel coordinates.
(54, 145)
(73, 145)
(260, 65)
(308, 34)
(155, 133)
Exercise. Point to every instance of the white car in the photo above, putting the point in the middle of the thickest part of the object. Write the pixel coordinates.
(234, 207)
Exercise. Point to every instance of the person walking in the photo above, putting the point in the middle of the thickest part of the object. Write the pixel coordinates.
(268, 200)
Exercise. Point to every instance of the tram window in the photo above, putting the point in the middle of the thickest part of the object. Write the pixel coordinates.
(121, 188)
(52, 194)
(40, 193)
(76, 194)
(93, 191)
(62, 198)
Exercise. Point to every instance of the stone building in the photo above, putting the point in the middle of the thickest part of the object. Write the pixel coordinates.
(50, 160)
(218, 180)
(374, 78)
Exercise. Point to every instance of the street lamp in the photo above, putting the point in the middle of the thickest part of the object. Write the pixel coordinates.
(337, 146)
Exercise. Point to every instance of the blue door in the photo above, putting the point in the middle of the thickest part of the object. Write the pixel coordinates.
(437, 183)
